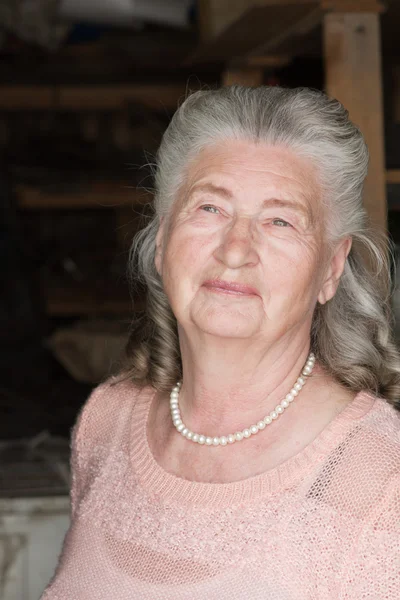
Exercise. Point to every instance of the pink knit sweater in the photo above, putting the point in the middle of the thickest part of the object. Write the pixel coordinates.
(323, 525)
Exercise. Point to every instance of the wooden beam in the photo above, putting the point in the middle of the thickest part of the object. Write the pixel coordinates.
(269, 61)
(252, 77)
(89, 298)
(94, 97)
(354, 6)
(393, 176)
(97, 195)
(353, 76)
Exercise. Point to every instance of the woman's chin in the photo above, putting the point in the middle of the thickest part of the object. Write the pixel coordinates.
(229, 325)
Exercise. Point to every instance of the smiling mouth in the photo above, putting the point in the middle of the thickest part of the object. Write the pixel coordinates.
(230, 287)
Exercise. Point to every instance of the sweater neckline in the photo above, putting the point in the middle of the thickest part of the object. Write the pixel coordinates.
(169, 487)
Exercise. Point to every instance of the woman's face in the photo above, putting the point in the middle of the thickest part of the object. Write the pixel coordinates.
(243, 255)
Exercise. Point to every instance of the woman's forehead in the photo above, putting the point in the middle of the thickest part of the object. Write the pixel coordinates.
(248, 159)
(234, 165)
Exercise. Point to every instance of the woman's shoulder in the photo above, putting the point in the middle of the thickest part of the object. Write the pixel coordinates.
(371, 453)
(376, 437)
(383, 421)
(109, 405)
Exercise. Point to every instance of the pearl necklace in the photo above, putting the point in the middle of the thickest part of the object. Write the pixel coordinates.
(223, 440)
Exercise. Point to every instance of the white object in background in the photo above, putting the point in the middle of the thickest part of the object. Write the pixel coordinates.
(32, 531)
(125, 12)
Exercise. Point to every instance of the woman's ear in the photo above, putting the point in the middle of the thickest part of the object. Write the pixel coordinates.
(334, 271)
(159, 246)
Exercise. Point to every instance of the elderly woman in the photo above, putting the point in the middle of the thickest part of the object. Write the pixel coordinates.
(251, 447)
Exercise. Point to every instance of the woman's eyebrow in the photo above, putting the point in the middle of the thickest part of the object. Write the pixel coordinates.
(211, 188)
(297, 206)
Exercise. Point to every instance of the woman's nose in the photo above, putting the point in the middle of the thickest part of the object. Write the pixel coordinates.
(237, 248)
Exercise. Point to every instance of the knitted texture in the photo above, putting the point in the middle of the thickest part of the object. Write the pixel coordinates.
(323, 525)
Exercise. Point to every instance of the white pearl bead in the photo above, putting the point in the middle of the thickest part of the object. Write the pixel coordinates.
(177, 422)
(261, 425)
(301, 381)
(307, 370)
(246, 433)
(273, 415)
(195, 437)
(215, 441)
(209, 441)
(297, 387)
(279, 409)
(180, 427)
(267, 420)
(294, 392)
(202, 439)
(185, 431)
(254, 429)
(285, 403)
(175, 411)
(238, 436)
(189, 435)
(174, 396)
(223, 440)
(231, 438)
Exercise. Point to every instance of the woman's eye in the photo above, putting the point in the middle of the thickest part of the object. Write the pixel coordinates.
(210, 208)
(281, 223)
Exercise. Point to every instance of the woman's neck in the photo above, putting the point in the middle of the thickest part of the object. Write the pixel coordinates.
(227, 386)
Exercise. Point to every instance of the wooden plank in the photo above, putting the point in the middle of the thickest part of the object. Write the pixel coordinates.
(393, 176)
(113, 97)
(98, 195)
(92, 298)
(251, 77)
(24, 97)
(355, 6)
(269, 61)
(353, 76)
(95, 97)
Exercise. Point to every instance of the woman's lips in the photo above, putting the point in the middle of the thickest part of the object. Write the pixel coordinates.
(230, 287)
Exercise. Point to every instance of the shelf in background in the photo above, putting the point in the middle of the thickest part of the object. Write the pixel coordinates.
(103, 194)
(93, 298)
(393, 176)
(93, 97)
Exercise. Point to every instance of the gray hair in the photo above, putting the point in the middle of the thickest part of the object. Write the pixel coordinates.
(351, 334)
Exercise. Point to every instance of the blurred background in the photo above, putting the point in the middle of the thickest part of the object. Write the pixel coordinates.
(87, 88)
